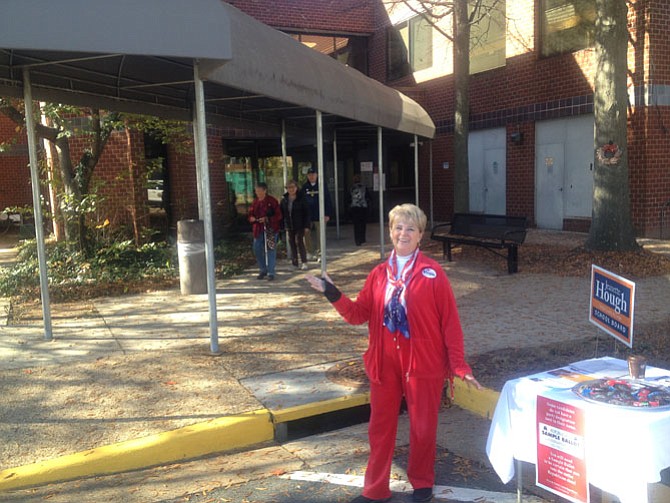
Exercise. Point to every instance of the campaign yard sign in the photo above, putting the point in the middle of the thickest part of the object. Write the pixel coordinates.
(612, 304)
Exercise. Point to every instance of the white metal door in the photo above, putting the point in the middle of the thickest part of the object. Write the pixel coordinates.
(494, 181)
(564, 170)
(579, 166)
(549, 176)
(476, 173)
(487, 171)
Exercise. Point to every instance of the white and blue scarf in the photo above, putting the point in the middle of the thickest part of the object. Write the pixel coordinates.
(395, 302)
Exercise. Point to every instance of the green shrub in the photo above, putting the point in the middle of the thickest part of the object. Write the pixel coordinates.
(116, 268)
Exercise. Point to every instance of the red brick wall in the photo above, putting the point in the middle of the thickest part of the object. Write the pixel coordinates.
(15, 187)
(118, 179)
(649, 133)
(182, 183)
(529, 88)
(340, 16)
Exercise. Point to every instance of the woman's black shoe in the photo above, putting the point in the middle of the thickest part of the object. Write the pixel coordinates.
(423, 494)
(363, 499)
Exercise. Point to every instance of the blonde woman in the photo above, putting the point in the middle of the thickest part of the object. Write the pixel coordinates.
(415, 344)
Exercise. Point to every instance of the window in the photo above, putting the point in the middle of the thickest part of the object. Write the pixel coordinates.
(409, 47)
(487, 37)
(351, 51)
(567, 25)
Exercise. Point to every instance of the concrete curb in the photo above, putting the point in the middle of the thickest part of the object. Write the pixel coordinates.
(192, 441)
(197, 440)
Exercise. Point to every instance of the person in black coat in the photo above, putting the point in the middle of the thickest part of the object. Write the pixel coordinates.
(310, 191)
(296, 221)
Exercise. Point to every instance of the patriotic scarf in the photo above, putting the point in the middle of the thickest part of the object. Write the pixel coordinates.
(395, 304)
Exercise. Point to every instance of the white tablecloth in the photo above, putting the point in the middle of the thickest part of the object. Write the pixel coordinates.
(625, 448)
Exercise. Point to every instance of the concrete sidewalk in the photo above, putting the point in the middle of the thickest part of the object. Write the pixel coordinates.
(538, 309)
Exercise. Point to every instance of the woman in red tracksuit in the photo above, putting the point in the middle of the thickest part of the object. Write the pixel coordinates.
(415, 344)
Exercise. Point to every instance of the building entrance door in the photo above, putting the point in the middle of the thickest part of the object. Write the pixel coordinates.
(563, 170)
(549, 168)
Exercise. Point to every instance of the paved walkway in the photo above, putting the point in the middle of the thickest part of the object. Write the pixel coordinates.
(497, 311)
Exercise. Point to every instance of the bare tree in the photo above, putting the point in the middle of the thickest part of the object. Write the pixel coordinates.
(75, 177)
(465, 14)
(611, 226)
(76, 197)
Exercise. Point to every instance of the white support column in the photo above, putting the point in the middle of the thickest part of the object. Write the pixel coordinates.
(283, 152)
(285, 175)
(203, 167)
(416, 170)
(37, 208)
(322, 185)
(430, 182)
(198, 180)
(382, 229)
(337, 187)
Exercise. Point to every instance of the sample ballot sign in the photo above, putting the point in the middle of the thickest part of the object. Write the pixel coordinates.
(561, 463)
(612, 304)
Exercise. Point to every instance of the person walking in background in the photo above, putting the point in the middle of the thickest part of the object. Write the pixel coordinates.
(415, 343)
(296, 221)
(265, 217)
(359, 204)
(310, 190)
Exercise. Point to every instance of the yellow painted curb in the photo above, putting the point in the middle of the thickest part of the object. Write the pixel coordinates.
(479, 401)
(192, 441)
(216, 435)
(316, 408)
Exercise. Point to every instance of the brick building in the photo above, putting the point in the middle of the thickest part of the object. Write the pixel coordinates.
(531, 114)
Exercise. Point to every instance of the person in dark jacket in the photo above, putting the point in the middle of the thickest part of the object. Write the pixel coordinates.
(296, 221)
(310, 190)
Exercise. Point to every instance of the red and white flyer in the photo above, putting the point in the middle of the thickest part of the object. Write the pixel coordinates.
(561, 460)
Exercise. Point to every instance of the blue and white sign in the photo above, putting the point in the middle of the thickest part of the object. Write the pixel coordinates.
(612, 304)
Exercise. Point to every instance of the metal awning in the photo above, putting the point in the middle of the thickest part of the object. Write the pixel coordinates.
(185, 59)
(138, 57)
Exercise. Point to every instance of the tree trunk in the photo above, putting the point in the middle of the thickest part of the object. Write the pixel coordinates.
(611, 226)
(461, 106)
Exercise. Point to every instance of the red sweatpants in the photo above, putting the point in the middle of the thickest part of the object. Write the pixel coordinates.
(423, 397)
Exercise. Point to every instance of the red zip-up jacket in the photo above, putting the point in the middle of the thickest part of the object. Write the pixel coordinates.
(436, 336)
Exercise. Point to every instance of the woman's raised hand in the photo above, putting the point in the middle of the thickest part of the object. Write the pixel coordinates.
(318, 283)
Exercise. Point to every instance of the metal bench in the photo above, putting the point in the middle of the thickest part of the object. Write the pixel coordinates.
(493, 232)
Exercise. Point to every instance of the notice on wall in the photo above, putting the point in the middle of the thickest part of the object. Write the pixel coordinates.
(366, 166)
(561, 460)
(612, 304)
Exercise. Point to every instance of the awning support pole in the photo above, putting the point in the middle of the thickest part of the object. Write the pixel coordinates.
(381, 193)
(284, 161)
(198, 178)
(322, 186)
(37, 207)
(203, 167)
(416, 170)
(337, 186)
(430, 181)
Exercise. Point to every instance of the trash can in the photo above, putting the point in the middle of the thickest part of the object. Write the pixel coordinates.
(191, 252)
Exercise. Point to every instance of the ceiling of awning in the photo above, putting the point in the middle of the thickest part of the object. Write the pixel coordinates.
(138, 57)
